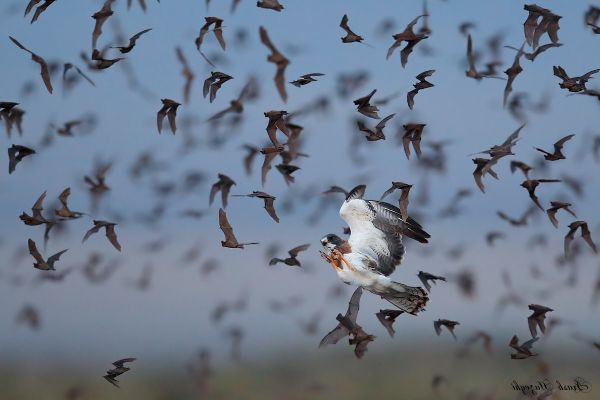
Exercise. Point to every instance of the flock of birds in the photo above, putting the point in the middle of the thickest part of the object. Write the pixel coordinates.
(538, 24)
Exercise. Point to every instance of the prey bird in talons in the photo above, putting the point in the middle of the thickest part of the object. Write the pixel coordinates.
(374, 249)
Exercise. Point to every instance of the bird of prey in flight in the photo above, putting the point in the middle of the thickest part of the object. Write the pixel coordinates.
(374, 249)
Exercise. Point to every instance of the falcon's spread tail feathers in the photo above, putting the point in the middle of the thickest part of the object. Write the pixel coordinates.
(409, 299)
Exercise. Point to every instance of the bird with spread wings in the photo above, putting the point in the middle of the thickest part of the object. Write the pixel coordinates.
(374, 249)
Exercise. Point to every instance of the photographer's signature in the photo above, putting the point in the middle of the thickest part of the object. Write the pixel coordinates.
(577, 385)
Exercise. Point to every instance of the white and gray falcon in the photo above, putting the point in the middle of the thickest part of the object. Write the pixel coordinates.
(374, 249)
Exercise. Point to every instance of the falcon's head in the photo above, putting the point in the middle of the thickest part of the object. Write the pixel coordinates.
(331, 241)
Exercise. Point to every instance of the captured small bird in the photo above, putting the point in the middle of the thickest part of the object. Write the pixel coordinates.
(16, 154)
(585, 234)
(306, 79)
(531, 185)
(535, 28)
(64, 211)
(350, 35)
(364, 107)
(425, 277)
(558, 146)
(377, 134)
(387, 319)
(223, 185)
(119, 369)
(44, 71)
(404, 189)
(168, 109)
(374, 249)
(270, 5)
(109, 230)
(268, 202)
(40, 263)
(448, 324)
(292, 260)
(213, 83)
(410, 38)
(132, 42)
(279, 60)
(412, 134)
(422, 84)
(230, 240)
(573, 84)
(554, 207)
(522, 350)
(217, 30)
(536, 319)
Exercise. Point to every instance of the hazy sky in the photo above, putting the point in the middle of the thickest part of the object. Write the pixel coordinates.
(172, 317)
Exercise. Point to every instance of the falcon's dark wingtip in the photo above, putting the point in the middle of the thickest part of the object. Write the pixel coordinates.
(357, 193)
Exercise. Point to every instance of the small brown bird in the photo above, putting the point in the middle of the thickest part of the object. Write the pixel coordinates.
(558, 146)
(350, 35)
(223, 185)
(534, 30)
(230, 240)
(292, 260)
(39, 10)
(109, 230)
(101, 62)
(450, 325)
(132, 42)
(425, 277)
(276, 121)
(377, 134)
(187, 73)
(101, 17)
(270, 5)
(364, 107)
(41, 263)
(531, 185)
(422, 84)
(168, 109)
(536, 319)
(306, 79)
(512, 72)
(585, 234)
(217, 30)
(532, 56)
(16, 153)
(523, 350)
(44, 70)
(555, 206)
(268, 200)
(387, 319)
(279, 60)
(340, 331)
(573, 84)
(64, 211)
(287, 170)
(119, 369)
(521, 221)
(412, 134)
(213, 83)
(411, 40)
(403, 201)
(514, 165)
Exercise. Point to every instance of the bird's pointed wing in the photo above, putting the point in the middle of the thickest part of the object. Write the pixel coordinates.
(294, 252)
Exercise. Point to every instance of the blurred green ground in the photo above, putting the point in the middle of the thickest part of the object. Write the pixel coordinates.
(325, 374)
